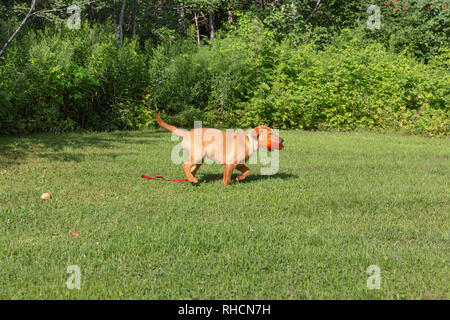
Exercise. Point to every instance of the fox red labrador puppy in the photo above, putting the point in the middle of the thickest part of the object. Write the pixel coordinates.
(231, 149)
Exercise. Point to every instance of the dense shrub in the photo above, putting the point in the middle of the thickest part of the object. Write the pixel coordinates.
(212, 79)
(58, 81)
(422, 26)
(352, 84)
(66, 80)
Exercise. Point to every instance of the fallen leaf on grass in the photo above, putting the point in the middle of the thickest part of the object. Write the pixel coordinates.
(75, 234)
(46, 196)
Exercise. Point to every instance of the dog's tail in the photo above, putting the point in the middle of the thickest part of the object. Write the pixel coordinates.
(175, 130)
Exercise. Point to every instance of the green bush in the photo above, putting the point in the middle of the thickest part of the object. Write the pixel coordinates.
(212, 79)
(349, 85)
(59, 81)
(420, 26)
(318, 79)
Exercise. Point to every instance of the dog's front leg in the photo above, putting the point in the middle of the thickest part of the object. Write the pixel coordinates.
(227, 173)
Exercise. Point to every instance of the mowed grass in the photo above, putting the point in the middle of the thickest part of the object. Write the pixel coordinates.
(339, 203)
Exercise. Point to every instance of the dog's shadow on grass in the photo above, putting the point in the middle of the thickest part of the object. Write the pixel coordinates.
(211, 177)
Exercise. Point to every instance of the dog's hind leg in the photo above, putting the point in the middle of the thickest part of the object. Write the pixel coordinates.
(227, 173)
(188, 167)
(245, 172)
(191, 166)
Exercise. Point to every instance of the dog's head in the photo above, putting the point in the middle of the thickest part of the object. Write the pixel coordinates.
(267, 138)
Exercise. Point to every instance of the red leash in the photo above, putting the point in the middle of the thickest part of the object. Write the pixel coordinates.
(161, 178)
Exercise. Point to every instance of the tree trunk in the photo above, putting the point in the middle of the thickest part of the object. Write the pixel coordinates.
(114, 18)
(197, 31)
(230, 16)
(263, 4)
(181, 20)
(33, 5)
(133, 22)
(91, 12)
(122, 12)
(313, 12)
(211, 25)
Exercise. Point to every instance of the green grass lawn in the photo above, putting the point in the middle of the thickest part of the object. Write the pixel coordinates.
(340, 203)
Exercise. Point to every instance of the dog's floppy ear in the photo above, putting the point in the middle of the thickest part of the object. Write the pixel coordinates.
(259, 130)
